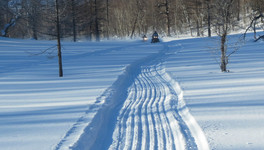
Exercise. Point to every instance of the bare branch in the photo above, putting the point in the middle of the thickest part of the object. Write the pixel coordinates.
(43, 52)
(260, 37)
(253, 21)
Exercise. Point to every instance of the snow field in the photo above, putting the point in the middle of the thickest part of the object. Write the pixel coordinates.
(227, 106)
(39, 110)
(130, 95)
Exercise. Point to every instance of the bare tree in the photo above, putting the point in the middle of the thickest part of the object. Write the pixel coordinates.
(97, 19)
(253, 26)
(195, 13)
(138, 15)
(257, 18)
(73, 20)
(238, 3)
(164, 9)
(31, 14)
(58, 38)
(11, 15)
(224, 21)
(208, 7)
(107, 19)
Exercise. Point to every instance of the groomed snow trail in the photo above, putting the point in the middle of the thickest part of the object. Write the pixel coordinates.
(153, 115)
(150, 117)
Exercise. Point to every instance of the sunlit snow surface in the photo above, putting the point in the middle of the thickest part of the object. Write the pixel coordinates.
(39, 110)
(228, 106)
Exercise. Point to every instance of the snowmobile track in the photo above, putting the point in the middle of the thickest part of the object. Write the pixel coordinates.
(149, 114)
(150, 118)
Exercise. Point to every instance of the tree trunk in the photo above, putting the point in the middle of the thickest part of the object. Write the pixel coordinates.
(168, 17)
(223, 53)
(58, 39)
(97, 32)
(34, 29)
(73, 21)
(197, 27)
(238, 10)
(197, 19)
(209, 18)
(107, 18)
(255, 32)
(134, 26)
(35, 14)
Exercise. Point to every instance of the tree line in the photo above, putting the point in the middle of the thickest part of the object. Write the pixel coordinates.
(97, 19)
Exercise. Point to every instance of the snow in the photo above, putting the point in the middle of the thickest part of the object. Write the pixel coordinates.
(130, 94)
(228, 106)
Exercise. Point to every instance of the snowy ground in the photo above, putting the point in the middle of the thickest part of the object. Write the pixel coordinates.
(130, 95)
(228, 106)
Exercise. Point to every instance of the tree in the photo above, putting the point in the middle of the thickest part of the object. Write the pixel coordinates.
(31, 14)
(107, 19)
(98, 19)
(224, 21)
(257, 17)
(58, 38)
(11, 23)
(195, 14)
(11, 11)
(4, 16)
(208, 7)
(138, 16)
(167, 13)
(165, 10)
(237, 3)
(253, 26)
(92, 17)
(73, 20)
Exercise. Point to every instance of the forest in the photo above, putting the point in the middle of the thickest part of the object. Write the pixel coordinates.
(109, 19)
